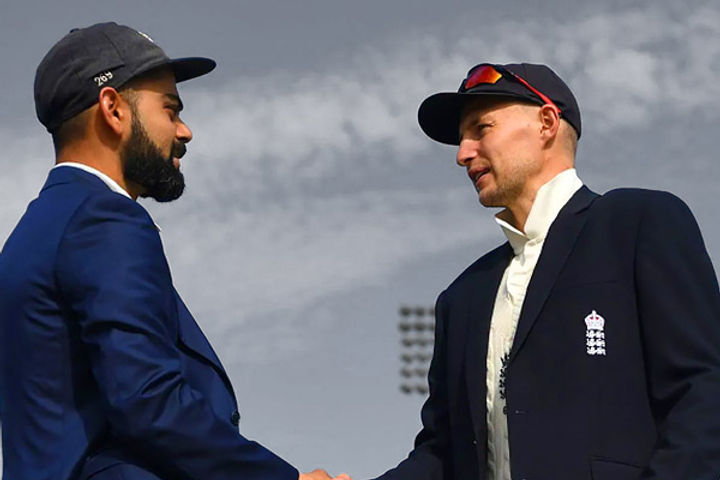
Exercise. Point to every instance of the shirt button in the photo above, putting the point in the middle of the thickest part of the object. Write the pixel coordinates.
(235, 419)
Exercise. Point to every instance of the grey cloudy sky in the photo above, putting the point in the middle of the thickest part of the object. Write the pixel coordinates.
(315, 206)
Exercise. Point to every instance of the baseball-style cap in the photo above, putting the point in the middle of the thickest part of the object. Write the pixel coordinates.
(70, 77)
(439, 114)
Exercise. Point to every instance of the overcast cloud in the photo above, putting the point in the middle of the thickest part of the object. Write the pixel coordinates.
(626, 69)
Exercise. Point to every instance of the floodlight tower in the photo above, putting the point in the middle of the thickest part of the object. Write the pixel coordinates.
(417, 335)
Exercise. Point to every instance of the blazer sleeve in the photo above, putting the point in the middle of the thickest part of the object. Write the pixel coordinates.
(429, 459)
(679, 311)
(113, 277)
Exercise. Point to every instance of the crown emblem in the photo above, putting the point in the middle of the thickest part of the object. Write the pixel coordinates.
(595, 335)
(595, 321)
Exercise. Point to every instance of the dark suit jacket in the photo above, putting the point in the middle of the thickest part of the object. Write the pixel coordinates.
(103, 370)
(649, 408)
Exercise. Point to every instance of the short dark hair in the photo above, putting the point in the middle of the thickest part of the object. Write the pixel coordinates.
(571, 138)
(70, 130)
(75, 128)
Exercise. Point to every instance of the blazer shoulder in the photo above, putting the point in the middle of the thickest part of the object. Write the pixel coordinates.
(70, 193)
(99, 206)
(634, 198)
(488, 262)
(642, 208)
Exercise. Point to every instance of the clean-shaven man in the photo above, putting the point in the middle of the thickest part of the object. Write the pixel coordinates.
(588, 345)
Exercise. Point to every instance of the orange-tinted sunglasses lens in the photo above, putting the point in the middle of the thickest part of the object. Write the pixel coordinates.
(482, 74)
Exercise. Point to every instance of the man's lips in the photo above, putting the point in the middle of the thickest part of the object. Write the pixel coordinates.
(476, 174)
(178, 151)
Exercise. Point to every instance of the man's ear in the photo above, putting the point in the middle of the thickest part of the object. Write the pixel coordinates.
(114, 110)
(550, 122)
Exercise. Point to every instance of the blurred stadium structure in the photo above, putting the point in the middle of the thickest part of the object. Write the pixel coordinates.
(417, 334)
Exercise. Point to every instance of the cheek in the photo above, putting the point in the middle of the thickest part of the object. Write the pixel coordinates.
(517, 147)
(164, 138)
(161, 126)
(166, 130)
(497, 154)
(508, 162)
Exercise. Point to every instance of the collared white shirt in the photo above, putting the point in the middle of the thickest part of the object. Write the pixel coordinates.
(112, 184)
(550, 199)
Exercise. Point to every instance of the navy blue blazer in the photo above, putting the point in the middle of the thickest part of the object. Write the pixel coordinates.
(649, 408)
(103, 371)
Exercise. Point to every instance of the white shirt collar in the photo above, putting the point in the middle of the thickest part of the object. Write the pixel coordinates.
(112, 184)
(550, 199)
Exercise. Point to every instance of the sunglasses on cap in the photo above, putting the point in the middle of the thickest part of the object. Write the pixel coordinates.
(489, 74)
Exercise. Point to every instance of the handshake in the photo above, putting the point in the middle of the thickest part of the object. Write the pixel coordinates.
(322, 475)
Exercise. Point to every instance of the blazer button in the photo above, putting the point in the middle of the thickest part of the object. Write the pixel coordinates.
(474, 442)
(235, 419)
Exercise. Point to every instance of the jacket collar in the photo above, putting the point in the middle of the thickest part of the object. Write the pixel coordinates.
(70, 175)
(559, 243)
(112, 184)
(59, 176)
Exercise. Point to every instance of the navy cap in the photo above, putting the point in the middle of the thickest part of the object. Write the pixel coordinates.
(439, 114)
(70, 77)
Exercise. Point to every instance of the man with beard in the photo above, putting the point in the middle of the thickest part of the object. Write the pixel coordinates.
(104, 373)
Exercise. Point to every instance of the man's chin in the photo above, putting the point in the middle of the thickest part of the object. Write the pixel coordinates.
(487, 200)
(163, 198)
(493, 197)
(164, 193)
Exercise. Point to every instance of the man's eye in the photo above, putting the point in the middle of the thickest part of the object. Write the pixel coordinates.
(481, 127)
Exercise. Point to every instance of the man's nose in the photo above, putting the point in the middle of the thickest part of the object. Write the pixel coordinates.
(465, 153)
(183, 132)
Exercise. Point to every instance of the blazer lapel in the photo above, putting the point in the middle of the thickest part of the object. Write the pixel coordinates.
(191, 335)
(560, 240)
(480, 291)
(193, 339)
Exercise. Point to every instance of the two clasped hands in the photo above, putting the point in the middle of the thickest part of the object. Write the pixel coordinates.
(322, 475)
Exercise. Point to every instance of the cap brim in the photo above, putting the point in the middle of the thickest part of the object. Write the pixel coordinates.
(439, 114)
(191, 67)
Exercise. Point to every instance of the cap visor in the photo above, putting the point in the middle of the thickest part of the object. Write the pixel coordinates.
(191, 67)
(439, 114)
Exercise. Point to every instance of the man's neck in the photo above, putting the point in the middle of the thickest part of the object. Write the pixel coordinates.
(515, 216)
(516, 213)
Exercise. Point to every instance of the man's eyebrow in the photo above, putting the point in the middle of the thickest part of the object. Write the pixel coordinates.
(176, 99)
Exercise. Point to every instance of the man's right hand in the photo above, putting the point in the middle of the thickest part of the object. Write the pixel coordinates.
(319, 474)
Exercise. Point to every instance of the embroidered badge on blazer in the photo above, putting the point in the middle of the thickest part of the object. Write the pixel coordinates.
(595, 335)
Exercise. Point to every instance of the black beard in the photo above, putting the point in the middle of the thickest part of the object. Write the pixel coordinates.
(144, 164)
